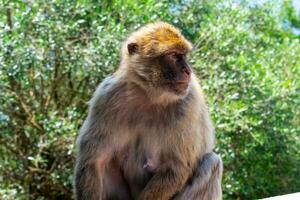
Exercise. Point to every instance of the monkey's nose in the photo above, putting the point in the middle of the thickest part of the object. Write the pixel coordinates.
(187, 71)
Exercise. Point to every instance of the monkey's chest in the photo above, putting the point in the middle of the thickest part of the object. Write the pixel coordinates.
(139, 163)
(148, 153)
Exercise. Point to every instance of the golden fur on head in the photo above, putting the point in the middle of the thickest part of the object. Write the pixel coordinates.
(156, 39)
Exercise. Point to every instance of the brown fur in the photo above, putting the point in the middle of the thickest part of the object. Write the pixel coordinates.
(141, 141)
(156, 39)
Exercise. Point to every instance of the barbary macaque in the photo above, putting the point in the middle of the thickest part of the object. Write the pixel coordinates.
(148, 134)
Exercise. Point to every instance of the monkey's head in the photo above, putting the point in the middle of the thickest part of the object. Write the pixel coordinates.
(155, 58)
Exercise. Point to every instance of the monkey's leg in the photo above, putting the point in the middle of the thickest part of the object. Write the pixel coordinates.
(206, 182)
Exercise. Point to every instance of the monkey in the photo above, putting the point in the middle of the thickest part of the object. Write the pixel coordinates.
(148, 134)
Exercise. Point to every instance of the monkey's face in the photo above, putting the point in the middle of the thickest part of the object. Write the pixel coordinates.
(175, 72)
(168, 72)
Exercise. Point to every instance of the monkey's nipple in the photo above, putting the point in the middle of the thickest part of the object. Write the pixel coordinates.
(149, 165)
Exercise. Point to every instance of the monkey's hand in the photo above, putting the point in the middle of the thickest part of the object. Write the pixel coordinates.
(165, 183)
(205, 184)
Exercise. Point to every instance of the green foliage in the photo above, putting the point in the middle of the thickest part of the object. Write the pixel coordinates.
(54, 53)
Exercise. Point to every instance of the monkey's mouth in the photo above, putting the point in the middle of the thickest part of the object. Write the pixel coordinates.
(178, 86)
(182, 86)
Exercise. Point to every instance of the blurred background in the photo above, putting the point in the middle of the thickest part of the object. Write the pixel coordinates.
(54, 53)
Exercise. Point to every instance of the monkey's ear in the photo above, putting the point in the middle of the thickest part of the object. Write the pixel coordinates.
(132, 48)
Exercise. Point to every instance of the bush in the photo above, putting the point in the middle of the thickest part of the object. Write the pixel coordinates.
(53, 54)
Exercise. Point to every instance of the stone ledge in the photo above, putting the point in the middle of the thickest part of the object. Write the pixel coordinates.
(294, 196)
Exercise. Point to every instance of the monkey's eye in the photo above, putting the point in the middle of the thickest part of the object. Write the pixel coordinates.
(177, 57)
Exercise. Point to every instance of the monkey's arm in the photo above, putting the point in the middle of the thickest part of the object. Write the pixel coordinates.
(89, 171)
(165, 183)
(95, 148)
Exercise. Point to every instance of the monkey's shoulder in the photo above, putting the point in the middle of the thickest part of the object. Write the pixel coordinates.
(110, 89)
(107, 85)
(103, 105)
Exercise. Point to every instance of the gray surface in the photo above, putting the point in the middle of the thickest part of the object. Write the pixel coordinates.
(294, 196)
